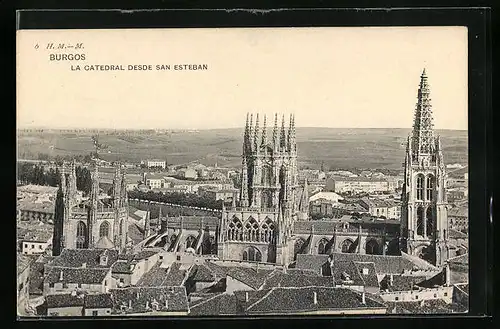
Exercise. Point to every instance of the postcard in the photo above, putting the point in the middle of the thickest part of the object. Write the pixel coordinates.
(242, 171)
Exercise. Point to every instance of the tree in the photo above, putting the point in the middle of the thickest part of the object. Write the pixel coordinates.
(58, 223)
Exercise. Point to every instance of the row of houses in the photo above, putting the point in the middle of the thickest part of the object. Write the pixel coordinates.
(154, 282)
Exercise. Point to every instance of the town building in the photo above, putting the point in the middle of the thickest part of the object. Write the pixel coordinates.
(459, 219)
(99, 222)
(356, 185)
(381, 207)
(213, 193)
(155, 163)
(424, 217)
(36, 242)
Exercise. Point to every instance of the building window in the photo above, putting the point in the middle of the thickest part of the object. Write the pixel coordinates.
(25, 245)
(32, 246)
(435, 295)
(347, 246)
(420, 221)
(235, 232)
(429, 187)
(420, 187)
(429, 222)
(397, 298)
(191, 242)
(267, 231)
(252, 254)
(252, 230)
(416, 296)
(178, 257)
(322, 247)
(40, 246)
(299, 245)
(104, 229)
(94, 313)
(81, 235)
(372, 248)
(445, 294)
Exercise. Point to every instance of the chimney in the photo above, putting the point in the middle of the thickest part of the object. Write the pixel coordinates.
(315, 298)
(73, 293)
(246, 296)
(147, 304)
(391, 281)
(84, 265)
(129, 303)
(61, 276)
(363, 298)
(137, 296)
(166, 303)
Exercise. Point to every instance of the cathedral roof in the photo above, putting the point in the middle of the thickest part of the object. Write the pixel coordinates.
(104, 243)
(221, 304)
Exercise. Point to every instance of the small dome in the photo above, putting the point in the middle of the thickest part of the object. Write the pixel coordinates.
(104, 243)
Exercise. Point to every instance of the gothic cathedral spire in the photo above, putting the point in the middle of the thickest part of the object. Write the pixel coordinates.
(424, 219)
(423, 127)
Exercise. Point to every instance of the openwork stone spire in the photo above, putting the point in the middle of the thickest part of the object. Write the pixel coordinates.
(264, 134)
(423, 128)
(283, 133)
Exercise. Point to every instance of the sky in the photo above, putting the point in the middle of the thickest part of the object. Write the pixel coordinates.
(327, 77)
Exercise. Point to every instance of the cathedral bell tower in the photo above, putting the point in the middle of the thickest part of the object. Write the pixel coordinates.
(424, 218)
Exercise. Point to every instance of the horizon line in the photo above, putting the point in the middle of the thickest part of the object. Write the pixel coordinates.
(217, 128)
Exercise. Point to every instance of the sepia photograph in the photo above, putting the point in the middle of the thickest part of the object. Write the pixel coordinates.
(208, 172)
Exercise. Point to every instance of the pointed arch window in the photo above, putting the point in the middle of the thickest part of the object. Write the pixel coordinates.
(190, 242)
(420, 221)
(267, 175)
(429, 222)
(81, 235)
(372, 248)
(252, 230)
(299, 245)
(104, 229)
(235, 230)
(420, 187)
(322, 247)
(347, 246)
(252, 254)
(267, 231)
(429, 188)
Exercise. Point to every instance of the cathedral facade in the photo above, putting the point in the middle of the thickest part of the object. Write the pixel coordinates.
(424, 219)
(260, 226)
(92, 222)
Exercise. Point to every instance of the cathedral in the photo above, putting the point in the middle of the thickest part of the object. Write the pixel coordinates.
(260, 226)
(424, 219)
(94, 221)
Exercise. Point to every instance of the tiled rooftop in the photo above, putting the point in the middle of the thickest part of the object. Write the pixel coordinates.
(221, 304)
(38, 236)
(175, 276)
(23, 262)
(454, 234)
(311, 262)
(425, 307)
(77, 257)
(400, 282)
(383, 264)
(291, 300)
(279, 279)
(65, 300)
(76, 275)
(98, 301)
(249, 276)
(368, 273)
(346, 272)
(154, 277)
(144, 299)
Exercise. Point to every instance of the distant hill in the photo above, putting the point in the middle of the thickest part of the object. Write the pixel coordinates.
(337, 148)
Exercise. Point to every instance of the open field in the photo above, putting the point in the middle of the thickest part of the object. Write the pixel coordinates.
(337, 148)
